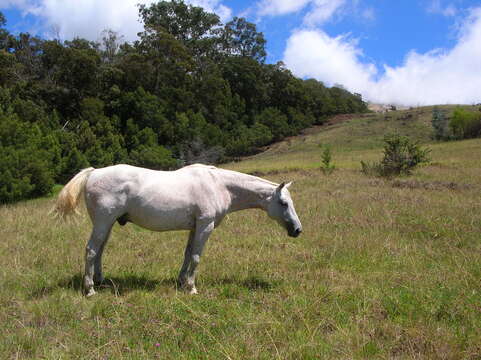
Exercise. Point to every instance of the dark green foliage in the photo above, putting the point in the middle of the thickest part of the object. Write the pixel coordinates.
(276, 122)
(26, 161)
(401, 156)
(152, 157)
(72, 163)
(247, 140)
(189, 90)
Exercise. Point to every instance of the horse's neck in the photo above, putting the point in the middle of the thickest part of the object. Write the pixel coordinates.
(248, 191)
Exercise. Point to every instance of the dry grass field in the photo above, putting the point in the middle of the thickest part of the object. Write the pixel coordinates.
(385, 269)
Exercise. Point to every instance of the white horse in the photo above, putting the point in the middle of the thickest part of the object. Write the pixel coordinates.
(195, 198)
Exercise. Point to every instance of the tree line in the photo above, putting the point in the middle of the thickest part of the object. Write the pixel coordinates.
(189, 89)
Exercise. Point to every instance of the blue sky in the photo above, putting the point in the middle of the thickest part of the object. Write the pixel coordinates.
(411, 52)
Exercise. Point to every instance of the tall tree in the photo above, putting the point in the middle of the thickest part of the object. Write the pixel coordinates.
(241, 38)
(168, 56)
(191, 25)
(8, 63)
(110, 45)
(3, 32)
(27, 50)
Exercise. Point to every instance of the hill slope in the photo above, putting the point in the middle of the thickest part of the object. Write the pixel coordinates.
(353, 138)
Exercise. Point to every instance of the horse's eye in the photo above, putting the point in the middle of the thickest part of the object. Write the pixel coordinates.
(283, 203)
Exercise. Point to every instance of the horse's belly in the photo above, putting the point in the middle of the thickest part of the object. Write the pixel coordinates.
(162, 220)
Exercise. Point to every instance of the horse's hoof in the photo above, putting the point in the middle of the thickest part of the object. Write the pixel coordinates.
(193, 291)
(90, 292)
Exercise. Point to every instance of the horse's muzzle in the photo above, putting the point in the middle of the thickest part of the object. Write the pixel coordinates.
(295, 232)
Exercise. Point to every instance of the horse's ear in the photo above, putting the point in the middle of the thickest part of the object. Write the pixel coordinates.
(283, 184)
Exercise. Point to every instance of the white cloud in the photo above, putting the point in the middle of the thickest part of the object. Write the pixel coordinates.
(319, 11)
(281, 7)
(436, 7)
(92, 17)
(436, 77)
(322, 11)
(312, 53)
(88, 18)
(224, 12)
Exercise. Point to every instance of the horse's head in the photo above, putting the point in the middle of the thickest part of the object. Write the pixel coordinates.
(281, 209)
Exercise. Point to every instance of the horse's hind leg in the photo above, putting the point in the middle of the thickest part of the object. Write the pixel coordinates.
(98, 277)
(93, 253)
(185, 265)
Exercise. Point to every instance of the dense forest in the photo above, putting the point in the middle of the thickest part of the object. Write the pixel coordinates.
(190, 89)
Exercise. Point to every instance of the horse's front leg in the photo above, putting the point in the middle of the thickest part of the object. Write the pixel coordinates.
(202, 231)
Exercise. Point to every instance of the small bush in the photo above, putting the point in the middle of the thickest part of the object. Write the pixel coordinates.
(371, 168)
(401, 156)
(327, 167)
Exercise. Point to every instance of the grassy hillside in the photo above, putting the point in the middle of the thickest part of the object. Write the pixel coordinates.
(384, 269)
(351, 138)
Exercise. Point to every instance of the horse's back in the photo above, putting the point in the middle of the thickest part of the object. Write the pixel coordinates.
(158, 200)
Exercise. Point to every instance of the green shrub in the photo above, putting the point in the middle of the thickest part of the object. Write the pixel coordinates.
(465, 124)
(401, 156)
(371, 168)
(327, 167)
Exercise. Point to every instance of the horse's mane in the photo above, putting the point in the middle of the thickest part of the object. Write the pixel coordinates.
(237, 173)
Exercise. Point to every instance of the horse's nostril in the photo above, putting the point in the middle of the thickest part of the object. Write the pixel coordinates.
(298, 231)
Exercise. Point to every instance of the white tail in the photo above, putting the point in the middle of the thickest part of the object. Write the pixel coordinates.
(69, 197)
